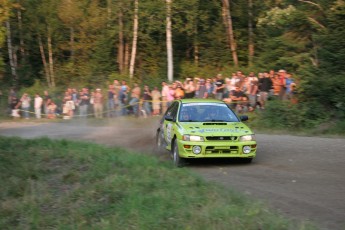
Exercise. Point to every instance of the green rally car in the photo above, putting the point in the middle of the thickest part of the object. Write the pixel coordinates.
(204, 128)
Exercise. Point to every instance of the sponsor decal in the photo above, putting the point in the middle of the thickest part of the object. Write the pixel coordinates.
(169, 133)
(219, 130)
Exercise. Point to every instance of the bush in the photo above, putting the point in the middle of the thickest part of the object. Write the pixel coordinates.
(286, 115)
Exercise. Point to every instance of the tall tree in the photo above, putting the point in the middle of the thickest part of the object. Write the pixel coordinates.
(169, 41)
(230, 30)
(121, 43)
(5, 9)
(70, 13)
(250, 34)
(135, 39)
(11, 54)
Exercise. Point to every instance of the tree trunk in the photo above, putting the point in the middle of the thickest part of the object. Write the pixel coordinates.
(250, 34)
(196, 46)
(44, 61)
(126, 61)
(109, 13)
(11, 54)
(230, 31)
(135, 39)
(196, 55)
(51, 61)
(120, 54)
(21, 39)
(169, 42)
(72, 51)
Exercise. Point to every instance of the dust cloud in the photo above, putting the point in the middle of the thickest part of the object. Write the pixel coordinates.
(137, 134)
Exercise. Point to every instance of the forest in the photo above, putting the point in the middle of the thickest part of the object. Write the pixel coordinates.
(56, 44)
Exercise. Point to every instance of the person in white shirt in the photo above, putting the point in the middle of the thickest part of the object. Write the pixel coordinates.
(165, 93)
(25, 103)
(38, 105)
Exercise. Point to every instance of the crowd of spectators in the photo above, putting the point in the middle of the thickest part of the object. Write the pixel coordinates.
(244, 93)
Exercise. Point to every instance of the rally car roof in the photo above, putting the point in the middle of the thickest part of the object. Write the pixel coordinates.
(198, 100)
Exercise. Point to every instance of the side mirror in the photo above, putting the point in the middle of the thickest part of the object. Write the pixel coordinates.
(244, 118)
(168, 118)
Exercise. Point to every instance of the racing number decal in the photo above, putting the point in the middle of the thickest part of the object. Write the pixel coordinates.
(169, 134)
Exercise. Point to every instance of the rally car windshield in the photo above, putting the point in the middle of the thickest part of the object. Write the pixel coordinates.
(206, 112)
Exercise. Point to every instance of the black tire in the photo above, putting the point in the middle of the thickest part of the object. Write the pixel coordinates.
(178, 161)
(159, 145)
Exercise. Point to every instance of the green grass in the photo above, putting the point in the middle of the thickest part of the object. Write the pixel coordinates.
(48, 184)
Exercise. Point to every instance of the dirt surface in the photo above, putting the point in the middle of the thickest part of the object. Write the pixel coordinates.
(302, 178)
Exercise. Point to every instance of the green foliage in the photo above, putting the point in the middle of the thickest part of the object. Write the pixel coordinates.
(305, 39)
(66, 185)
(286, 115)
(37, 87)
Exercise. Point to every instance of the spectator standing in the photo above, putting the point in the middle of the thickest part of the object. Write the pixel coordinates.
(135, 96)
(165, 94)
(235, 80)
(252, 93)
(117, 90)
(171, 95)
(201, 89)
(25, 103)
(189, 88)
(272, 74)
(293, 88)
(156, 104)
(238, 100)
(282, 83)
(265, 85)
(111, 101)
(179, 91)
(210, 87)
(147, 98)
(75, 99)
(38, 102)
(14, 105)
(241, 78)
(219, 87)
(123, 97)
(227, 88)
(288, 83)
(46, 101)
(12, 93)
(98, 103)
(84, 101)
(68, 105)
(276, 85)
(51, 113)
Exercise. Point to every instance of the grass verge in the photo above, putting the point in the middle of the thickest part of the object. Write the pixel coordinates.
(59, 184)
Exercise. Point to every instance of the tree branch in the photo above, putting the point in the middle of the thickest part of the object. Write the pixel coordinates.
(312, 3)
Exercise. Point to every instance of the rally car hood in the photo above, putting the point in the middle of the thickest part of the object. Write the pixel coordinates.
(214, 128)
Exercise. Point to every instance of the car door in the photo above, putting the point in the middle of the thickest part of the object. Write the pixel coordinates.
(169, 123)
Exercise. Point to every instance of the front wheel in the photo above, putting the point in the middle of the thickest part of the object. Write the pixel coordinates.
(159, 147)
(178, 161)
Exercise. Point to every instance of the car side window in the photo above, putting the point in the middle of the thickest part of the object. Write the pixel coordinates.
(172, 110)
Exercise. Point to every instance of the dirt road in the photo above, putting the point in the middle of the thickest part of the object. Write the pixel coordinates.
(301, 177)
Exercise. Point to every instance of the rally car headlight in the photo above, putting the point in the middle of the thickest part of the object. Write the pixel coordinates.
(248, 138)
(192, 138)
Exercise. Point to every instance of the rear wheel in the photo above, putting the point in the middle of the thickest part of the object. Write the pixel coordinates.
(178, 161)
